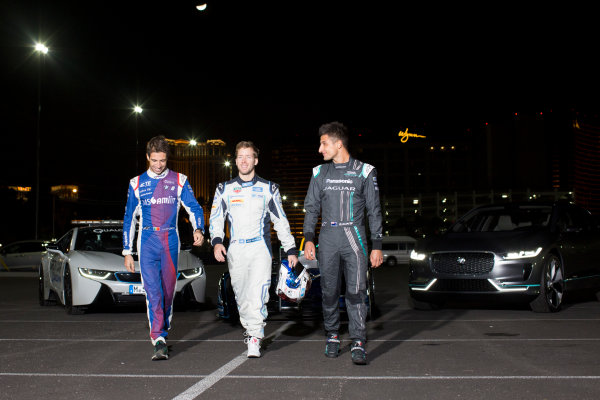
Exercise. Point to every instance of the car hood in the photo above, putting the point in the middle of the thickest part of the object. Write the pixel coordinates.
(98, 260)
(497, 242)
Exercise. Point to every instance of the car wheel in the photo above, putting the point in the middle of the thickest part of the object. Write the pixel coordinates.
(552, 287)
(42, 288)
(68, 288)
(391, 262)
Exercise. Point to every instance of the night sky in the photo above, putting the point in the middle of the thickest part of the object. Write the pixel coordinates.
(271, 73)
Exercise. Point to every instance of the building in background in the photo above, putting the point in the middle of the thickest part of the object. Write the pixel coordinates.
(203, 164)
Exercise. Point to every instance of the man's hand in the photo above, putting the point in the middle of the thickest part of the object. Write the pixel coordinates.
(220, 252)
(376, 258)
(198, 237)
(292, 260)
(129, 263)
(309, 250)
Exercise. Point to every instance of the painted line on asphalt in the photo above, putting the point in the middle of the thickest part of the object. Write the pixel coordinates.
(204, 384)
(298, 377)
(567, 320)
(491, 339)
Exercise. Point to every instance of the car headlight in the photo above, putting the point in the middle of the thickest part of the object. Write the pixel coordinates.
(417, 256)
(95, 273)
(192, 273)
(515, 255)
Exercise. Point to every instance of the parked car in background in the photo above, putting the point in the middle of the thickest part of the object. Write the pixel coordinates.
(85, 266)
(24, 255)
(535, 252)
(396, 249)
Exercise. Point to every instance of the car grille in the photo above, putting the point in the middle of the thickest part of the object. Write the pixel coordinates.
(463, 285)
(462, 263)
(128, 277)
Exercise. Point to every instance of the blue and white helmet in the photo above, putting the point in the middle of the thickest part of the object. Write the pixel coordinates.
(293, 282)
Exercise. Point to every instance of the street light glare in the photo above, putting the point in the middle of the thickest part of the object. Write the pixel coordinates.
(41, 48)
(137, 109)
(227, 163)
(193, 142)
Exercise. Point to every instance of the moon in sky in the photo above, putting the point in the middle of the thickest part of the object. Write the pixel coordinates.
(201, 7)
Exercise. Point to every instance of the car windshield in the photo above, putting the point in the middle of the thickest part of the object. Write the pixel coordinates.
(109, 239)
(504, 219)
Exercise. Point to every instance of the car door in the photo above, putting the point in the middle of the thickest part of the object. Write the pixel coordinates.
(58, 260)
(32, 255)
(580, 244)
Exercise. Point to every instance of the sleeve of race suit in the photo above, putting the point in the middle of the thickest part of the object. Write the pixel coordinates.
(280, 221)
(312, 206)
(132, 209)
(373, 208)
(217, 216)
(191, 204)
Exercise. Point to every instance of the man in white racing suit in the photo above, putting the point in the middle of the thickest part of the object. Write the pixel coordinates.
(249, 204)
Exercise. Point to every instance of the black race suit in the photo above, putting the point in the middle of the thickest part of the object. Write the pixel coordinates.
(341, 193)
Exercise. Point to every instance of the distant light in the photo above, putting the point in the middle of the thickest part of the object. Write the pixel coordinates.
(137, 109)
(41, 48)
(201, 7)
(284, 197)
(415, 201)
(227, 163)
(295, 204)
(75, 190)
(193, 142)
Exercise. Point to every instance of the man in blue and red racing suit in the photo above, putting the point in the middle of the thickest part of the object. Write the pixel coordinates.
(249, 204)
(156, 197)
(340, 191)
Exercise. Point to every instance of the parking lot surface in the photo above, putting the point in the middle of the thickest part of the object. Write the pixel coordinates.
(465, 351)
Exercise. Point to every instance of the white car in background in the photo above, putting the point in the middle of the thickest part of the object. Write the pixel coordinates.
(24, 255)
(85, 266)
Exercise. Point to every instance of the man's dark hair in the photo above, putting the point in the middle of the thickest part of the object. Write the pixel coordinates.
(158, 144)
(336, 131)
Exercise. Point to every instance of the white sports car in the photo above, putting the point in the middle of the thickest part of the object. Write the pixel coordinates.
(85, 266)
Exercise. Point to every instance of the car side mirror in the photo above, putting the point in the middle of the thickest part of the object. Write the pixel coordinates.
(52, 246)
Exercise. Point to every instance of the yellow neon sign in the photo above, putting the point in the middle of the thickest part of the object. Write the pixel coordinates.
(405, 135)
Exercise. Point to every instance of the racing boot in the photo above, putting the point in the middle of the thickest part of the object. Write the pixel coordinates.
(161, 351)
(253, 346)
(358, 352)
(332, 345)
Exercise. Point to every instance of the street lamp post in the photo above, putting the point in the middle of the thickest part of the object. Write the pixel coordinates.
(42, 50)
(137, 110)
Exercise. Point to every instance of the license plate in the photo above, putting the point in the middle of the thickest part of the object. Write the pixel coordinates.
(136, 289)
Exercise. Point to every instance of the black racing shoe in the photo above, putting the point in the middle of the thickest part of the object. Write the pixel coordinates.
(358, 352)
(161, 351)
(332, 345)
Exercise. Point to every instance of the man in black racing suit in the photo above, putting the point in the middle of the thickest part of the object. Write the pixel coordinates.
(340, 191)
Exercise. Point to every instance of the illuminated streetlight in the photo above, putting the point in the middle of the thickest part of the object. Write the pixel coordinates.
(228, 165)
(41, 49)
(193, 142)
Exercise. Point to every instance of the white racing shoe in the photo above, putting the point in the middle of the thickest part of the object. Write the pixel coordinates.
(253, 346)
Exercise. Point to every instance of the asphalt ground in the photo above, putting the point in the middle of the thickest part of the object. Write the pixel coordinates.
(468, 350)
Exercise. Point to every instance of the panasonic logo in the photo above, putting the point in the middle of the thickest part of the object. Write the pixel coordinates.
(338, 180)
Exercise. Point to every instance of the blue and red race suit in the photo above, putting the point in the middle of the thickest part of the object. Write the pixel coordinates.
(157, 199)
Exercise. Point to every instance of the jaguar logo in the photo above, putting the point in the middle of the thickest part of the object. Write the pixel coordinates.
(461, 260)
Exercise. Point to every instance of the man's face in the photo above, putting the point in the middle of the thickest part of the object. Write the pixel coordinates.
(158, 162)
(328, 148)
(245, 160)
